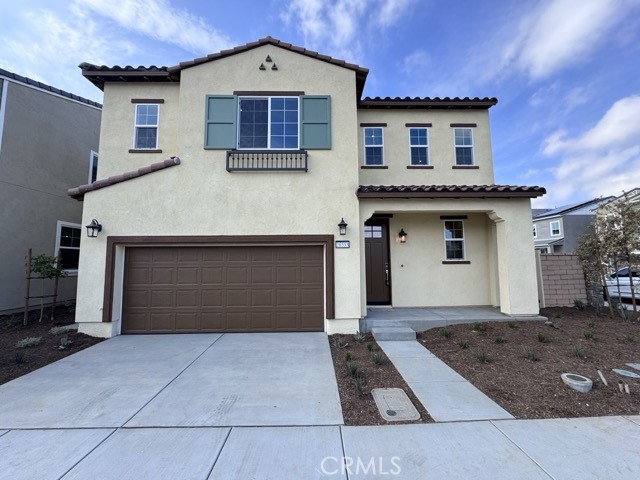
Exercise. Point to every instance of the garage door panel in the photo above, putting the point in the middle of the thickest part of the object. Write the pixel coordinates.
(216, 289)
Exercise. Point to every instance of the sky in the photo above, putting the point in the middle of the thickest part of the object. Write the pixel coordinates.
(566, 72)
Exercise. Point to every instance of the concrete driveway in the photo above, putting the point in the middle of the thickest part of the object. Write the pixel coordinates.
(283, 379)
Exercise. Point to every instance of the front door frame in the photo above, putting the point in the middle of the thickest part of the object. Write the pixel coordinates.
(384, 221)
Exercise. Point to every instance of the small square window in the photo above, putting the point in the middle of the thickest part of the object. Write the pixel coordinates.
(554, 227)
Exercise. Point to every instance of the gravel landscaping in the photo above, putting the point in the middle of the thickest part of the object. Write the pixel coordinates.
(358, 407)
(518, 364)
(27, 348)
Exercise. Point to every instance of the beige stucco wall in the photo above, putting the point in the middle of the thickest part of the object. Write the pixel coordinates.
(502, 270)
(199, 197)
(441, 148)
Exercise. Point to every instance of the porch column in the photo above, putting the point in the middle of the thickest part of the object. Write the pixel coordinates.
(516, 260)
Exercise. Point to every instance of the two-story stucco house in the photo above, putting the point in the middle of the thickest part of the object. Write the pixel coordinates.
(255, 190)
(48, 143)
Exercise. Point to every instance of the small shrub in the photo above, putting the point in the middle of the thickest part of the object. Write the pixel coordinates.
(531, 356)
(347, 356)
(444, 333)
(512, 324)
(358, 337)
(501, 340)
(558, 315)
(481, 356)
(65, 343)
(479, 327)
(58, 330)
(376, 358)
(579, 304)
(28, 342)
(352, 368)
(14, 320)
(542, 338)
(370, 347)
(591, 323)
(629, 338)
(357, 385)
(577, 351)
(463, 344)
(588, 335)
(19, 358)
(341, 343)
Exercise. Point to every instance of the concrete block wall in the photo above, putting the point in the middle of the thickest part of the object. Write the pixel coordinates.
(560, 279)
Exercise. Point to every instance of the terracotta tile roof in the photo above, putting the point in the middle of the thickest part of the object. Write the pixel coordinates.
(450, 191)
(78, 192)
(427, 102)
(48, 88)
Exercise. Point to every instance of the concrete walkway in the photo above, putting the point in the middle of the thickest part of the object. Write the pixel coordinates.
(445, 394)
(562, 449)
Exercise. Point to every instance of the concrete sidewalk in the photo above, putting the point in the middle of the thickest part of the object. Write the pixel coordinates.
(563, 449)
(445, 394)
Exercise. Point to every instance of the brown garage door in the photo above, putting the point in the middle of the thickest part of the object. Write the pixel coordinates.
(223, 289)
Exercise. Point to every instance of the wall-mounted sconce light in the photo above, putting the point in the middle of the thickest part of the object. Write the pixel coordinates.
(402, 235)
(93, 228)
(342, 226)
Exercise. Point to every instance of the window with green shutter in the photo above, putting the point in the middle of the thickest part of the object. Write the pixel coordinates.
(220, 121)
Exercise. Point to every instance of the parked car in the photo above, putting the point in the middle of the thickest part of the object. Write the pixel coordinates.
(621, 278)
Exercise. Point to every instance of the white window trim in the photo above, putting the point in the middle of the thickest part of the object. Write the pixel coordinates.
(364, 143)
(471, 147)
(462, 240)
(3, 106)
(426, 129)
(269, 147)
(559, 234)
(535, 231)
(60, 224)
(135, 126)
(93, 155)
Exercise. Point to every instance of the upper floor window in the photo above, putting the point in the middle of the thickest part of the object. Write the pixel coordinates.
(554, 227)
(419, 144)
(93, 167)
(373, 146)
(535, 231)
(463, 145)
(271, 122)
(68, 244)
(146, 126)
(454, 240)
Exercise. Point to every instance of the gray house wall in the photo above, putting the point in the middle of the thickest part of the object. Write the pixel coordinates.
(45, 146)
(575, 226)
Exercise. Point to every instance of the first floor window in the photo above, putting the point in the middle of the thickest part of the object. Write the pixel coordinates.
(454, 240)
(535, 231)
(555, 228)
(419, 144)
(68, 243)
(93, 167)
(271, 122)
(463, 138)
(373, 146)
(146, 126)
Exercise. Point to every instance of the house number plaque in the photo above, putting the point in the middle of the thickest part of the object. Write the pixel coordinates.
(343, 244)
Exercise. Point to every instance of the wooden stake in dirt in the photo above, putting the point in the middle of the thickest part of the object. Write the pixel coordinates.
(27, 283)
(604, 380)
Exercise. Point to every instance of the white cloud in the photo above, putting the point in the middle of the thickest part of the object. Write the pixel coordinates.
(159, 20)
(604, 160)
(415, 61)
(390, 11)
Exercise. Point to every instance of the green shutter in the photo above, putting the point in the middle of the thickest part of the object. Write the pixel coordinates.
(220, 121)
(315, 121)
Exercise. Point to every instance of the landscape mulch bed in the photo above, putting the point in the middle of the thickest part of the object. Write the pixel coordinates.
(534, 389)
(12, 330)
(360, 408)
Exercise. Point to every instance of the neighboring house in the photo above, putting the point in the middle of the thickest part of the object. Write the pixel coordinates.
(48, 143)
(225, 184)
(559, 230)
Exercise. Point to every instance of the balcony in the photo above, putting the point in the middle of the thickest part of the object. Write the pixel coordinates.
(267, 161)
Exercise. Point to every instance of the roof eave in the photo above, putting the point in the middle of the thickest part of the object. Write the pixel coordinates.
(449, 194)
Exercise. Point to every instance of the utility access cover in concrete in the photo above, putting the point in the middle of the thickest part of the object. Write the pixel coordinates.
(394, 405)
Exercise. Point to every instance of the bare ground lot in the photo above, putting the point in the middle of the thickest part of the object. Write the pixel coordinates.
(47, 351)
(360, 408)
(532, 388)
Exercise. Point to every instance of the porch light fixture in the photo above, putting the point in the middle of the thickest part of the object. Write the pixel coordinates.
(93, 228)
(343, 227)
(402, 235)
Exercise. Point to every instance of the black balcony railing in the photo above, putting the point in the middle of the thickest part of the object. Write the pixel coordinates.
(267, 160)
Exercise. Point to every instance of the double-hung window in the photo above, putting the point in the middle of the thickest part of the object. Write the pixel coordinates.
(454, 240)
(268, 123)
(146, 126)
(373, 146)
(419, 144)
(68, 243)
(463, 139)
(555, 228)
